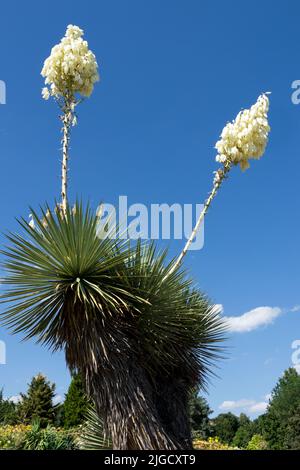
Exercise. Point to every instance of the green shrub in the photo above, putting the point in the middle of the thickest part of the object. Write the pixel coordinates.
(13, 437)
(257, 442)
(212, 443)
(49, 438)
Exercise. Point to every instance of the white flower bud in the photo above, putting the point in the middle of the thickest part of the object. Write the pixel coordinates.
(45, 93)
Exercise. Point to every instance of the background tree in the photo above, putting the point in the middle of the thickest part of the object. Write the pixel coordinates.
(37, 403)
(244, 433)
(292, 431)
(225, 426)
(199, 416)
(59, 415)
(258, 424)
(8, 414)
(76, 403)
(283, 406)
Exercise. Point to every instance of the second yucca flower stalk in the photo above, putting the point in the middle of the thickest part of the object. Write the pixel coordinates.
(241, 140)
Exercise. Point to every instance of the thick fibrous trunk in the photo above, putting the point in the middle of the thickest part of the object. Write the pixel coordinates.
(140, 411)
(172, 406)
(129, 410)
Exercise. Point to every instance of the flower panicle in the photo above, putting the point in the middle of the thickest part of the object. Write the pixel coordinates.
(71, 67)
(246, 137)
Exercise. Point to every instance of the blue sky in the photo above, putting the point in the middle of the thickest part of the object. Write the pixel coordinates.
(173, 73)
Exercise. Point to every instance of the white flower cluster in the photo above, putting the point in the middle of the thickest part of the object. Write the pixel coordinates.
(71, 67)
(247, 136)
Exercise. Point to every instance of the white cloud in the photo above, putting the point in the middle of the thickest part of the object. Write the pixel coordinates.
(244, 405)
(57, 399)
(268, 396)
(234, 404)
(259, 407)
(255, 318)
(297, 368)
(249, 321)
(15, 398)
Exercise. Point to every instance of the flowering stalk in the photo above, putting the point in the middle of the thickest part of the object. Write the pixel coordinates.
(217, 183)
(244, 138)
(67, 120)
(70, 69)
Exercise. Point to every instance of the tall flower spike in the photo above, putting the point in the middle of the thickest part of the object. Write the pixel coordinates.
(244, 138)
(247, 136)
(70, 70)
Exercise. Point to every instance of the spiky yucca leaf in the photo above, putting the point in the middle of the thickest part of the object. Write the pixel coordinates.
(92, 433)
(178, 326)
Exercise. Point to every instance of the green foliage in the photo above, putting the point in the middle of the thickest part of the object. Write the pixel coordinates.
(278, 428)
(283, 406)
(257, 442)
(225, 426)
(244, 432)
(8, 413)
(199, 416)
(13, 437)
(258, 424)
(48, 438)
(212, 443)
(76, 403)
(292, 431)
(37, 403)
(92, 434)
(59, 415)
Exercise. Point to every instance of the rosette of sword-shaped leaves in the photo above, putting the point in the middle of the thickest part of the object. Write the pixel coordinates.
(177, 325)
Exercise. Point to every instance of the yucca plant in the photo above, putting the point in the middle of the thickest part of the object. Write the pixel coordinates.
(140, 338)
(130, 322)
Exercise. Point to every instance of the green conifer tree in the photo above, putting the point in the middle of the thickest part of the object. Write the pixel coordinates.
(76, 403)
(8, 413)
(37, 403)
